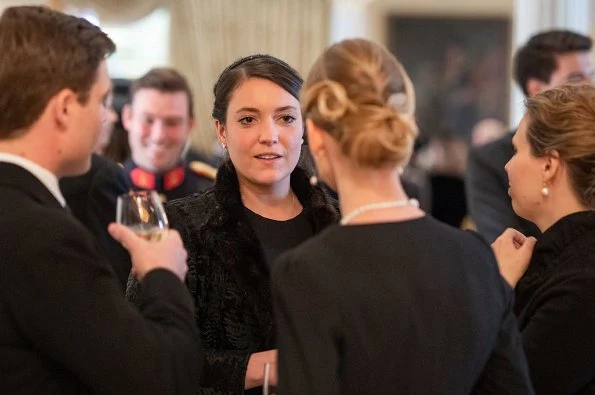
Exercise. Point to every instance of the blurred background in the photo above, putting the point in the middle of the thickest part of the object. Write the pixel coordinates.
(457, 52)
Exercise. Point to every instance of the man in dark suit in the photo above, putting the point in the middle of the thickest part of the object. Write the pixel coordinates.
(159, 120)
(64, 325)
(548, 59)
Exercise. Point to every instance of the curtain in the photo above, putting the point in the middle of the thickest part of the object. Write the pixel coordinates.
(210, 34)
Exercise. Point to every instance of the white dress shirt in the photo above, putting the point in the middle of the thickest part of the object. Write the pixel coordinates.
(45, 176)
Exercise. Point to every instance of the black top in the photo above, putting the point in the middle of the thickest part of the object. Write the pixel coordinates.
(64, 326)
(279, 236)
(555, 303)
(487, 190)
(414, 307)
(92, 200)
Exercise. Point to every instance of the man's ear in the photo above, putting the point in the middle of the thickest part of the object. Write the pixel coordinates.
(127, 116)
(61, 105)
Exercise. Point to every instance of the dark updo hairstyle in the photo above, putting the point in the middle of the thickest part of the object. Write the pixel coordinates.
(256, 66)
(359, 93)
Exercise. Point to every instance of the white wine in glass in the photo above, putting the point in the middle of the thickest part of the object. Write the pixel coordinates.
(143, 213)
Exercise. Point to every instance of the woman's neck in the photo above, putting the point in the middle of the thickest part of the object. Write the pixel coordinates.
(361, 188)
(277, 202)
(557, 212)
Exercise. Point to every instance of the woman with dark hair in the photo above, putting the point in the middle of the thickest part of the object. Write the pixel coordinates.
(391, 301)
(552, 184)
(261, 205)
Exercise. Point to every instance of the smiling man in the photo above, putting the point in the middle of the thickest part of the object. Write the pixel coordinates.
(159, 122)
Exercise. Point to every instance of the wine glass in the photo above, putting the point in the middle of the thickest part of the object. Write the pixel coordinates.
(143, 213)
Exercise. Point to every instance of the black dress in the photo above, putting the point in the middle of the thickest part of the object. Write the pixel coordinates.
(556, 307)
(228, 274)
(413, 307)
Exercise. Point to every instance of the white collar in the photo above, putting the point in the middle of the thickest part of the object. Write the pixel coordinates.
(46, 177)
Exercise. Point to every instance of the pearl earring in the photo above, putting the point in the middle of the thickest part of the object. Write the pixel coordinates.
(302, 142)
(313, 180)
(545, 191)
(224, 146)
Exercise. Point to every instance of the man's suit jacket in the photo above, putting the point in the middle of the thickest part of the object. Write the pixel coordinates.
(64, 326)
(487, 190)
(92, 199)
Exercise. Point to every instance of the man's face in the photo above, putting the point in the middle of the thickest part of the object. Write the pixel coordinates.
(158, 125)
(85, 125)
(573, 68)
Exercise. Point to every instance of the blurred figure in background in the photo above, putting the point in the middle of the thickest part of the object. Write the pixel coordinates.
(548, 59)
(486, 130)
(159, 120)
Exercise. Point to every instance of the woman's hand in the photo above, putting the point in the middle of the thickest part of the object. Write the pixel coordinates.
(513, 252)
(255, 370)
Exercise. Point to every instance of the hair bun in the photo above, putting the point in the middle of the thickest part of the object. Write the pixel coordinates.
(332, 100)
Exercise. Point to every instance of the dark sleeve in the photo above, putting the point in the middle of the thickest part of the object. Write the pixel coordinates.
(224, 372)
(107, 185)
(75, 313)
(487, 195)
(559, 338)
(307, 320)
(506, 371)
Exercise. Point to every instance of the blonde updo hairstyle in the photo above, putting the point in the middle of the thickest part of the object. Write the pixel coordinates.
(563, 119)
(361, 95)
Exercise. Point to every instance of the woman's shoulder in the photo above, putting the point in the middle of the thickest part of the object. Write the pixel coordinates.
(195, 204)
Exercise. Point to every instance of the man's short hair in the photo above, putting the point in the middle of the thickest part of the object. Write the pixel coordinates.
(167, 80)
(42, 52)
(537, 58)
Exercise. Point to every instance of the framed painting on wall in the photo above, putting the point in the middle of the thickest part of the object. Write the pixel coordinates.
(459, 67)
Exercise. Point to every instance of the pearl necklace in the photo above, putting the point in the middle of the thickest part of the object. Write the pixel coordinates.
(378, 206)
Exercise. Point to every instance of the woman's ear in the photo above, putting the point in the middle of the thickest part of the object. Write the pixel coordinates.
(551, 166)
(220, 128)
(314, 136)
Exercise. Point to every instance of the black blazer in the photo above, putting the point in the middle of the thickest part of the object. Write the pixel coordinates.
(92, 199)
(411, 307)
(228, 276)
(487, 190)
(64, 326)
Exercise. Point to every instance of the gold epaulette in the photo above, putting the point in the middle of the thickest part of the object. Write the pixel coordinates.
(203, 169)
